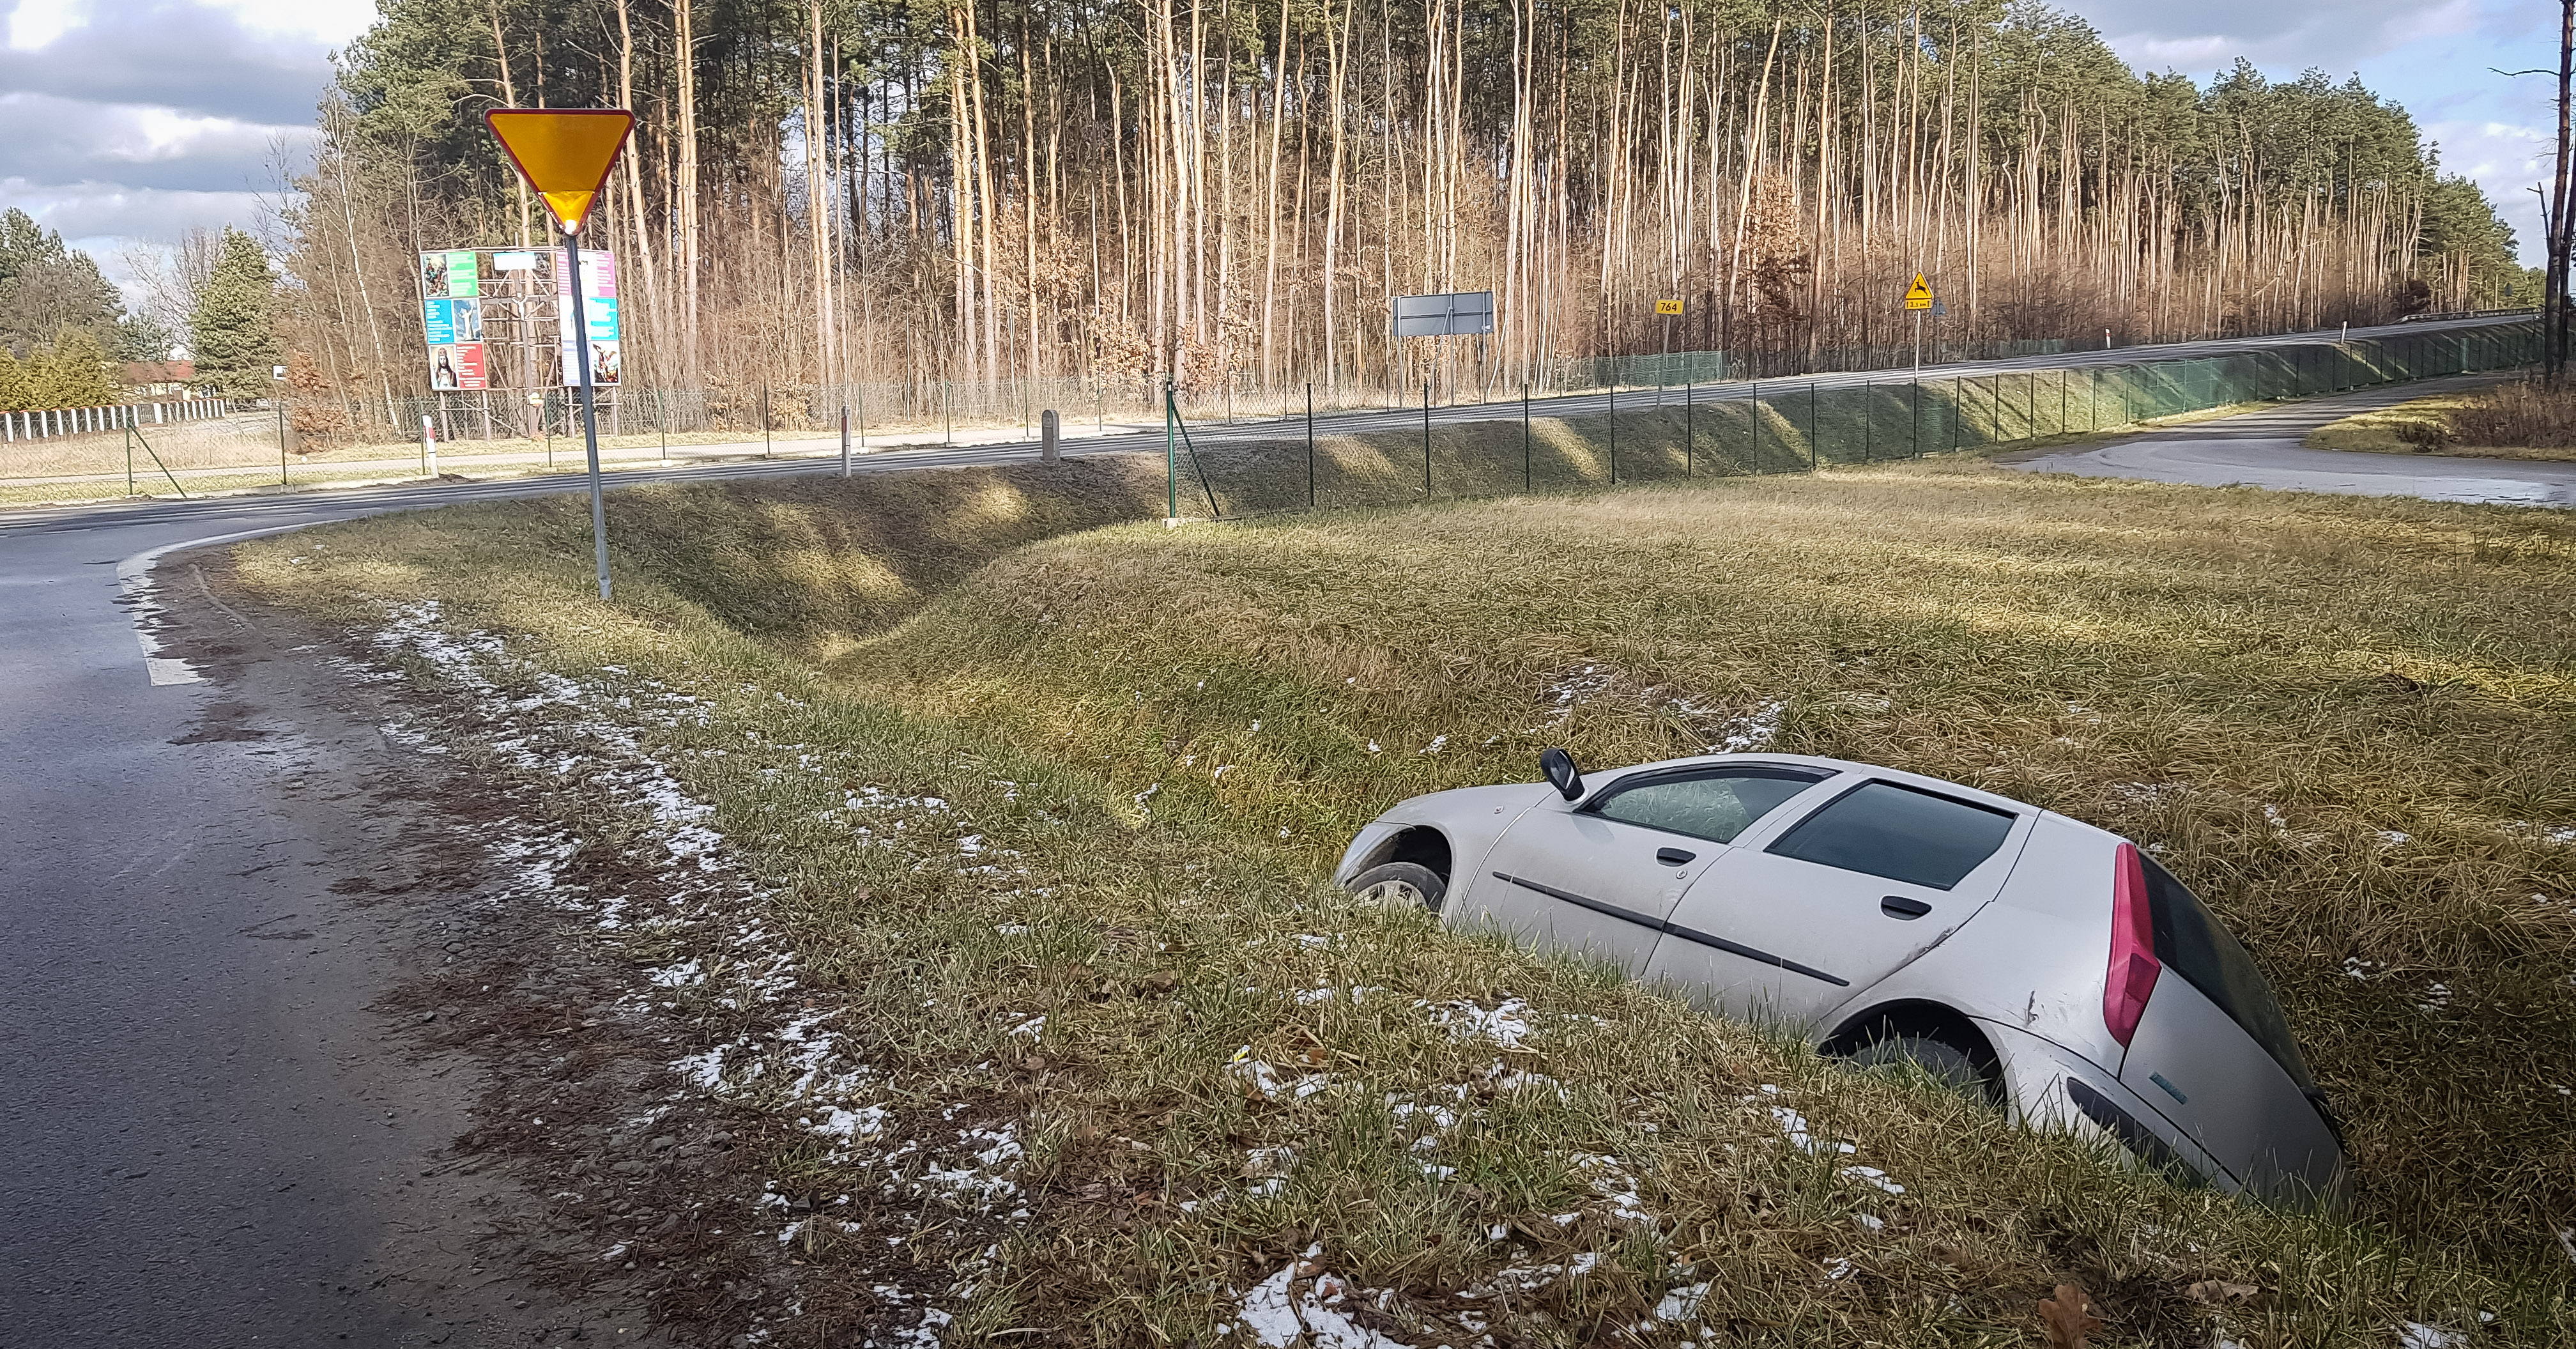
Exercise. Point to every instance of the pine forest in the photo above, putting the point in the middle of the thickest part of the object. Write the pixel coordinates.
(1231, 193)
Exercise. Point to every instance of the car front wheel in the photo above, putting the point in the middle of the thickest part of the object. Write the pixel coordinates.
(1400, 885)
(1944, 1062)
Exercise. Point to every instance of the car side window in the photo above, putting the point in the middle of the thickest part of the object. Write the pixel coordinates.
(1899, 832)
(1716, 805)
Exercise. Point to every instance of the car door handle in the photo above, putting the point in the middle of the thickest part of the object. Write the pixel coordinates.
(1898, 906)
(1674, 857)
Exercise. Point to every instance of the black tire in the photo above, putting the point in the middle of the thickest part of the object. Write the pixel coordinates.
(1400, 885)
(1950, 1065)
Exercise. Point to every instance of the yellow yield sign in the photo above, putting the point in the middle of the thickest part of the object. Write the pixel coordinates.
(1918, 295)
(564, 153)
(1668, 307)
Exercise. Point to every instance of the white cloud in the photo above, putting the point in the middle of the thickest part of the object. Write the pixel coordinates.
(2506, 160)
(2200, 36)
(331, 22)
(35, 24)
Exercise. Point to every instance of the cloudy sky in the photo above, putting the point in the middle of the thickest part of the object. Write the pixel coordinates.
(135, 119)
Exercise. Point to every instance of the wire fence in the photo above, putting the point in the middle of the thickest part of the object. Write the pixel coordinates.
(1687, 431)
(1656, 416)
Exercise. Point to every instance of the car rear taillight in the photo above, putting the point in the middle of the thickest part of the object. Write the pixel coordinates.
(2134, 967)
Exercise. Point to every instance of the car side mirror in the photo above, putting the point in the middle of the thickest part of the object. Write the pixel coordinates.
(1558, 767)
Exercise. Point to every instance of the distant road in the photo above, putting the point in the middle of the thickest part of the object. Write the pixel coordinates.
(2261, 449)
(323, 504)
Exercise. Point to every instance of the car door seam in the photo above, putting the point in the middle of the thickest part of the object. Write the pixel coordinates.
(1673, 929)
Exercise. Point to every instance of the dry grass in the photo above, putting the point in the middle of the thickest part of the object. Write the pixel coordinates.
(2523, 419)
(2270, 687)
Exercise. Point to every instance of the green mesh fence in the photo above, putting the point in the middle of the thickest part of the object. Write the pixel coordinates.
(1687, 431)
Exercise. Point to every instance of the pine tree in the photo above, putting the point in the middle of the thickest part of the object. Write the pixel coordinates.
(46, 287)
(13, 384)
(80, 371)
(233, 333)
(37, 381)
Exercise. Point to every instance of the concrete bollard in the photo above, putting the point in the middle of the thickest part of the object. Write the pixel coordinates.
(1050, 436)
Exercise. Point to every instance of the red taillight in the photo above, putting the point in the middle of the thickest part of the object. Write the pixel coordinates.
(2134, 967)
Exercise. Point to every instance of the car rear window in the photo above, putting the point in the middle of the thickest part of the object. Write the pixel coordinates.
(1901, 833)
(2192, 944)
(1712, 805)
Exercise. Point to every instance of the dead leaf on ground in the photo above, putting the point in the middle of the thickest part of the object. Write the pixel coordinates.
(2215, 1291)
(2066, 1318)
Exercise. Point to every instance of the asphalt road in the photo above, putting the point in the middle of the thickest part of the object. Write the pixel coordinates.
(209, 1138)
(2261, 449)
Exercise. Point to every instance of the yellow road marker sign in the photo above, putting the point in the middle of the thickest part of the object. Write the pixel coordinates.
(564, 153)
(1668, 306)
(1919, 295)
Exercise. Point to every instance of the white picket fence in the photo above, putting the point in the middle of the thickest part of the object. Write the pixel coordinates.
(49, 423)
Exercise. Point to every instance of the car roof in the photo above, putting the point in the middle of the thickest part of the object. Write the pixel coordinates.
(1838, 766)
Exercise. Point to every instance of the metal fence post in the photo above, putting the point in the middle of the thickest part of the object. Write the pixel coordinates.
(1614, 433)
(1310, 444)
(764, 419)
(1811, 425)
(1171, 451)
(845, 440)
(1426, 438)
(129, 462)
(281, 442)
(1525, 436)
(1690, 428)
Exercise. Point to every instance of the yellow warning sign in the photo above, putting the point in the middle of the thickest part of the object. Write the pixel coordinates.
(1668, 306)
(1919, 295)
(564, 153)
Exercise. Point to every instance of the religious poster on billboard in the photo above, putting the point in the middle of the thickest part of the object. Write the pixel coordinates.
(599, 316)
(457, 367)
(454, 329)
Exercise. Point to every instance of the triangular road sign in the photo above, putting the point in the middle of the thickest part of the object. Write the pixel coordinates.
(564, 153)
(1919, 295)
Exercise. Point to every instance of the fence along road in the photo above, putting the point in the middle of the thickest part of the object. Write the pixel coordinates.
(327, 504)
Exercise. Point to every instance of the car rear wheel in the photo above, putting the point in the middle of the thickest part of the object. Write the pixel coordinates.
(1942, 1061)
(1400, 885)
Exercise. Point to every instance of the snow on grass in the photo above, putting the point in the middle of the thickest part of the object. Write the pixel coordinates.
(728, 974)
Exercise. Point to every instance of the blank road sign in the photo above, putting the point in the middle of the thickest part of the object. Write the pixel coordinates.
(1461, 314)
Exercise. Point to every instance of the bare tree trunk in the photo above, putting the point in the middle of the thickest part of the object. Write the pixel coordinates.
(685, 59)
(2560, 237)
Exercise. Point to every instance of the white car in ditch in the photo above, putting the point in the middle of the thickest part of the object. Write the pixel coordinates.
(2039, 961)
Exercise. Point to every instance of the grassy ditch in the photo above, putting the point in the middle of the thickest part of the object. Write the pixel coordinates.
(1037, 820)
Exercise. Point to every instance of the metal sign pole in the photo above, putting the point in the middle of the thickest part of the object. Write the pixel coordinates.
(589, 413)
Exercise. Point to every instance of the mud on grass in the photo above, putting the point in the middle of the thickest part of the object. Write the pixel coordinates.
(1221, 1089)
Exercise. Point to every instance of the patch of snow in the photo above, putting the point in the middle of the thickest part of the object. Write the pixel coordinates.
(1870, 1175)
(1506, 1025)
(1755, 729)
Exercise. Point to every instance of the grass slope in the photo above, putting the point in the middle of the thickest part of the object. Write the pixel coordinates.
(2347, 722)
(2375, 432)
